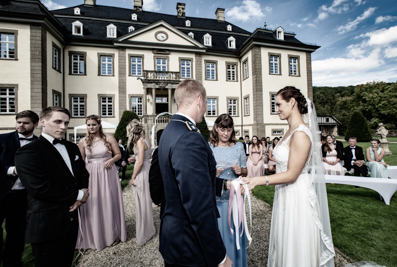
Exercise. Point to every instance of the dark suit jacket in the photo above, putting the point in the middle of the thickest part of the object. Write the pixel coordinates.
(247, 149)
(349, 155)
(51, 187)
(189, 227)
(156, 182)
(9, 144)
(338, 149)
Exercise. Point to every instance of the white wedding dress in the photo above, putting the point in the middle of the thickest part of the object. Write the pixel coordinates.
(296, 235)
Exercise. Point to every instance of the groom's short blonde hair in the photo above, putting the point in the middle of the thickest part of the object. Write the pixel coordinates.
(187, 91)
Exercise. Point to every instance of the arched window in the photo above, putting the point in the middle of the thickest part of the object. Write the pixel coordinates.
(111, 31)
(280, 33)
(207, 39)
(231, 42)
(191, 35)
(131, 29)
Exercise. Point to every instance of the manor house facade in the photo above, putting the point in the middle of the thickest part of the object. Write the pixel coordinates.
(95, 59)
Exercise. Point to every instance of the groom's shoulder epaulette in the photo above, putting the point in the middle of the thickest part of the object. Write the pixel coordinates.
(191, 126)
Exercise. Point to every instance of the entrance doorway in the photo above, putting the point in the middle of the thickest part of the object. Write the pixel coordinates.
(161, 104)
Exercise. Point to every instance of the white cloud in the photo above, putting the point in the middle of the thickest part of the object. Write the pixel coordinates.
(351, 25)
(391, 52)
(249, 10)
(381, 19)
(360, 2)
(335, 8)
(305, 19)
(151, 5)
(381, 37)
(52, 5)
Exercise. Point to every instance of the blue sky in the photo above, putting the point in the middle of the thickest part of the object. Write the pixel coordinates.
(358, 38)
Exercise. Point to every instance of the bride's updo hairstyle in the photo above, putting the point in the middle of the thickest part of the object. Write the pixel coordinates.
(289, 92)
(224, 121)
(134, 132)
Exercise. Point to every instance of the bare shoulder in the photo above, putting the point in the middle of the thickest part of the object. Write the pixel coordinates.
(111, 138)
(300, 139)
(82, 142)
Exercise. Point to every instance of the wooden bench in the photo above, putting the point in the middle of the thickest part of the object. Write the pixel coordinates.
(385, 187)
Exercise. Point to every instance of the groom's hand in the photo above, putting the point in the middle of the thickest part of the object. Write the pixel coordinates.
(228, 263)
(75, 206)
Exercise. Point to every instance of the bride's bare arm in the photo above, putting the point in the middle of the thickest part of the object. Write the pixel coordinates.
(299, 151)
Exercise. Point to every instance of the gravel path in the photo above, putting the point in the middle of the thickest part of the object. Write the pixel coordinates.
(129, 254)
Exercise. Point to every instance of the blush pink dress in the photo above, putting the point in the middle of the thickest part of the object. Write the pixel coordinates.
(102, 216)
(259, 169)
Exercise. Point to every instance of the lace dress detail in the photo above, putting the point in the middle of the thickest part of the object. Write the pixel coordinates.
(296, 237)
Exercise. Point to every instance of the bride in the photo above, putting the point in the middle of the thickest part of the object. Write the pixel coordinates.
(300, 231)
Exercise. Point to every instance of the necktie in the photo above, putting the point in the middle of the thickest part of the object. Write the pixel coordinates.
(59, 141)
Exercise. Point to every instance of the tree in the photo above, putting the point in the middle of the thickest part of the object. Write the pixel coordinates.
(121, 132)
(204, 129)
(358, 128)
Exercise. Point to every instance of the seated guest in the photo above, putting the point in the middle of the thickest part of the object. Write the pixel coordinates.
(354, 158)
(331, 158)
(272, 161)
(247, 144)
(377, 166)
(323, 140)
(339, 148)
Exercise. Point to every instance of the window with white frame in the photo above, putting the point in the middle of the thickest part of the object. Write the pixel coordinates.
(246, 106)
(136, 105)
(136, 66)
(293, 66)
(231, 72)
(231, 42)
(134, 16)
(78, 64)
(106, 106)
(280, 33)
(277, 132)
(273, 103)
(56, 58)
(77, 28)
(56, 99)
(188, 23)
(7, 42)
(211, 107)
(106, 65)
(161, 64)
(210, 70)
(77, 11)
(274, 64)
(111, 31)
(207, 39)
(232, 107)
(7, 100)
(186, 68)
(229, 28)
(78, 106)
(191, 35)
(131, 29)
(245, 69)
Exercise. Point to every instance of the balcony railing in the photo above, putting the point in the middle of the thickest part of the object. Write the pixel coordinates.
(161, 75)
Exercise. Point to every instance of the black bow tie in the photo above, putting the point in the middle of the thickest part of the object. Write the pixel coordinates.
(59, 141)
(27, 139)
(352, 147)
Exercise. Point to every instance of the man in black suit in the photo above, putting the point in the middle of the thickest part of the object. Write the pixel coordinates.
(13, 201)
(338, 146)
(156, 181)
(56, 180)
(354, 158)
(247, 144)
(189, 228)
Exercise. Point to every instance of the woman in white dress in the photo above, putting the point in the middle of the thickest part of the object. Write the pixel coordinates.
(377, 166)
(300, 231)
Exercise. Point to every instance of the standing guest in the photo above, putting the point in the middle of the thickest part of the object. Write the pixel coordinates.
(272, 161)
(156, 180)
(265, 146)
(140, 182)
(13, 197)
(189, 233)
(331, 158)
(123, 164)
(255, 164)
(375, 161)
(247, 144)
(102, 217)
(53, 173)
(225, 148)
(354, 158)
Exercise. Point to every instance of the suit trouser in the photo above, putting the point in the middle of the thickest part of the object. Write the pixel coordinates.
(357, 170)
(13, 209)
(57, 252)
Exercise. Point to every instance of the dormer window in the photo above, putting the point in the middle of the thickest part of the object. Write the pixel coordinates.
(280, 33)
(131, 29)
(207, 39)
(77, 11)
(77, 28)
(111, 31)
(191, 35)
(231, 42)
(188, 23)
(229, 28)
(134, 17)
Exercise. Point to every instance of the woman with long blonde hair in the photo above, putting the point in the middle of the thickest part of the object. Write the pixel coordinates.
(140, 182)
(102, 216)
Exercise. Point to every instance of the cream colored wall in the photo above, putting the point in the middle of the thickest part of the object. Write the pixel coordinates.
(91, 84)
(150, 36)
(54, 78)
(17, 72)
(247, 90)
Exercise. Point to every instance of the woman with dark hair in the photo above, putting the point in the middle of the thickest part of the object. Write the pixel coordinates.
(300, 230)
(255, 164)
(331, 158)
(102, 216)
(226, 149)
(375, 162)
(272, 161)
(140, 181)
(265, 155)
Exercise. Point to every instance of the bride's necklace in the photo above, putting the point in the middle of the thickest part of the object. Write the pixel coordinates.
(224, 145)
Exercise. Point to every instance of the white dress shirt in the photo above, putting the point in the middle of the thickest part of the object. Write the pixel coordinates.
(65, 155)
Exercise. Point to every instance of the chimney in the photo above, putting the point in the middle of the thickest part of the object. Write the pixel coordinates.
(220, 14)
(180, 9)
(90, 2)
(138, 5)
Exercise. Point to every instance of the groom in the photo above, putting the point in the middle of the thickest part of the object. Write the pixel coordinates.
(56, 180)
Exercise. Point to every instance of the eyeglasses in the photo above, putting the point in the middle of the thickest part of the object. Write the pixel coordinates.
(224, 130)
